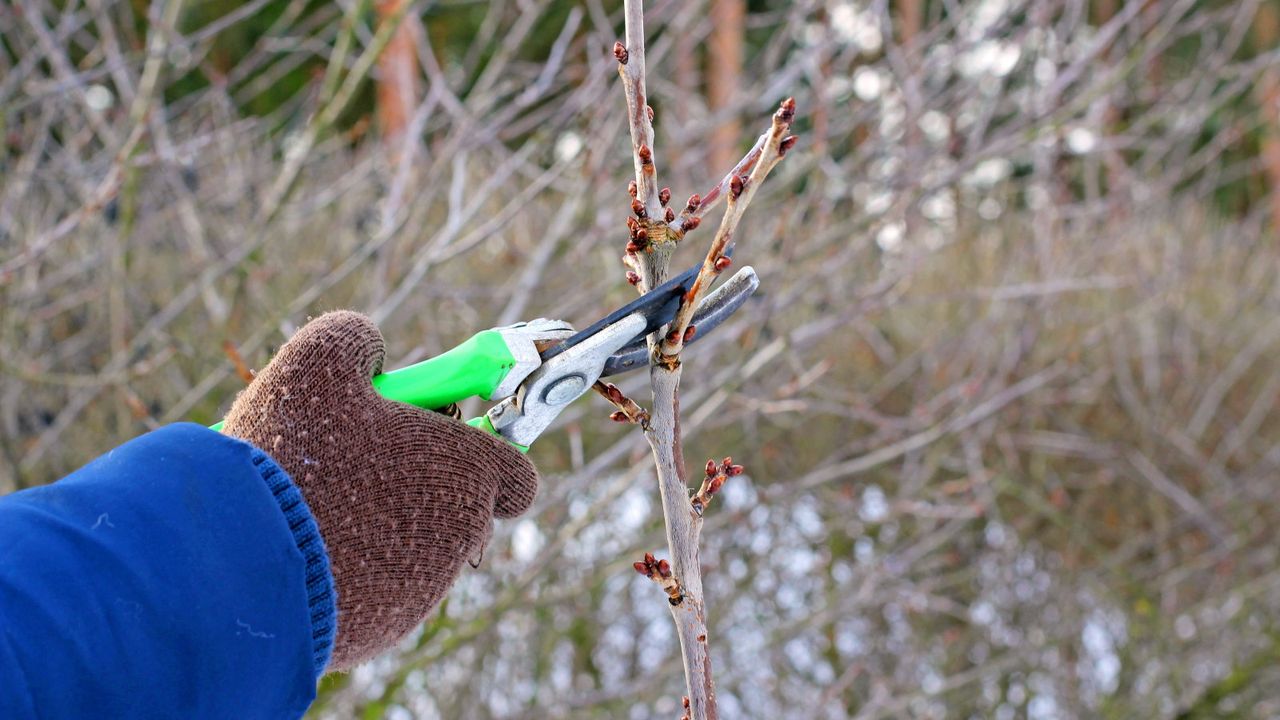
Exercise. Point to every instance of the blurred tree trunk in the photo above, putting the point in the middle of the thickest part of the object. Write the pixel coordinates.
(398, 86)
(686, 59)
(910, 19)
(724, 69)
(1103, 11)
(1266, 30)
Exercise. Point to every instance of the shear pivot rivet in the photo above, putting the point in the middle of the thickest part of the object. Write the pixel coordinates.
(565, 390)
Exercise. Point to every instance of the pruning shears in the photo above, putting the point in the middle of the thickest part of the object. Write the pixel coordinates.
(537, 368)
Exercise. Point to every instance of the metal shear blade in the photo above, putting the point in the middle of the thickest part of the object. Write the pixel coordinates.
(659, 307)
(612, 346)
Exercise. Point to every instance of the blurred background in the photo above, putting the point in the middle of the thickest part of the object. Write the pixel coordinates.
(1008, 399)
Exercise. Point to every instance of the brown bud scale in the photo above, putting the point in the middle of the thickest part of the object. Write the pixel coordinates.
(620, 52)
(664, 196)
(669, 215)
(637, 207)
(723, 262)
(787, 110)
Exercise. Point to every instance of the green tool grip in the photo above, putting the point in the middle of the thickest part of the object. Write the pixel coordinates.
(473, 369)
(484, 423)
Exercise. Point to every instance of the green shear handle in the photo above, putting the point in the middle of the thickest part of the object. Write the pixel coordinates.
(480, 367)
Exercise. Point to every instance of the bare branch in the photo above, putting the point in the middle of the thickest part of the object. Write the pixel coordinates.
(741, 190)
(628, 410)
(692, 214)
(630, 59)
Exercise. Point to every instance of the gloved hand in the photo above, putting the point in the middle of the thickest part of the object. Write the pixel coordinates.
(403, 496)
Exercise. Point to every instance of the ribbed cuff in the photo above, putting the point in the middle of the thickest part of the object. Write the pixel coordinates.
(322, 601)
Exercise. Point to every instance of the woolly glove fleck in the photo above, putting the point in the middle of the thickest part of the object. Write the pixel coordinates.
(403, 496)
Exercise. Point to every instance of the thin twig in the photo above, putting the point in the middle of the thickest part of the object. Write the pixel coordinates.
(741, 191)
(628, 410)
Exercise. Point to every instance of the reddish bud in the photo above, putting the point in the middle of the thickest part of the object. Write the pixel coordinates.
(664, 196)
(633, 247)
(685, 699)
(640, 568)
(735, 470)
(669, 215)
(646, 155)
(649, 559)
(631, 189)
(664, 568)
(714, 486)
(637, 207)
(723, 262)
(641, 235)
(736, 186)
(727, 461)
(692, 223)
(689, 332)
(787, 143)
(633, 277)
(632, 224)
(787, 111)
(695, 202)
(620, 52)
(711, 468)
(619, 416)
(673, 336)
(649, 111)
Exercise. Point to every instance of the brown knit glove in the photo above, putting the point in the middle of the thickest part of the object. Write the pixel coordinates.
(403, 496)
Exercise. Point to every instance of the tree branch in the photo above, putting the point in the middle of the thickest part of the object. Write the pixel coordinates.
(639, 115)
(653, 233)
(741, 191)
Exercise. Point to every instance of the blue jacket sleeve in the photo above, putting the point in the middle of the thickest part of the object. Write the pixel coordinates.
(179, 575)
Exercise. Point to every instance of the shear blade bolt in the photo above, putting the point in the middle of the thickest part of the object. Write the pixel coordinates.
(565, 390)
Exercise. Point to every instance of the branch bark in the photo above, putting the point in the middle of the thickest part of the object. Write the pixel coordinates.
(654, 232)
